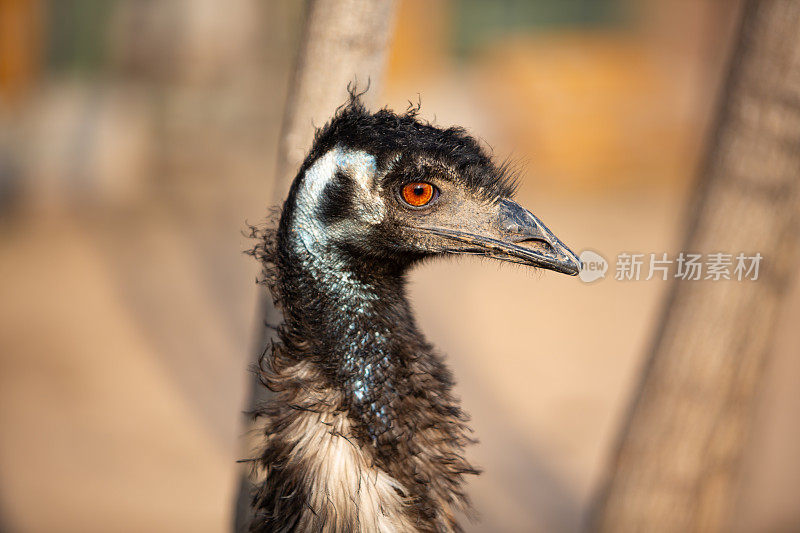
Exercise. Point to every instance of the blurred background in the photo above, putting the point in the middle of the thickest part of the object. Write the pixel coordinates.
(138, 136)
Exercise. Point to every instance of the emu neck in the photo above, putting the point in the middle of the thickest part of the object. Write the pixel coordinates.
(360, 327)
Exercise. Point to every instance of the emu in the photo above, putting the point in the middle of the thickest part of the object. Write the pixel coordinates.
(363, 433)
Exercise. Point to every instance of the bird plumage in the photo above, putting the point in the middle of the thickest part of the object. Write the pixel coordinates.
(364, 433)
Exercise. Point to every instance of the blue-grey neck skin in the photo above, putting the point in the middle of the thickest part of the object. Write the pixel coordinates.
(355, 336)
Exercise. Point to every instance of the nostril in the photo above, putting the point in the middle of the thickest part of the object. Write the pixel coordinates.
(536, 244)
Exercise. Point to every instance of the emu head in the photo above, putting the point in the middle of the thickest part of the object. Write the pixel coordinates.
(390, 189)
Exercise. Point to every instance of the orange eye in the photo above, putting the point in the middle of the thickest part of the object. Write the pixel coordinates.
(418, 193)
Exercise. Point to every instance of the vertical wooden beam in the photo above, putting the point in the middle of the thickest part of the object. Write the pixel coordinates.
(345, 41)
(676, 465)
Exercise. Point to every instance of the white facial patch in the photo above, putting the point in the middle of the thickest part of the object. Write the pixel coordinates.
(369, 206)
(361, 166)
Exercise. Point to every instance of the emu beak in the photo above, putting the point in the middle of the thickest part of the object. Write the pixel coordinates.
(526, 239)
(512, 233)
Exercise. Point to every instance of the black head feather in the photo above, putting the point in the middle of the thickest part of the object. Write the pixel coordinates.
(388, 136)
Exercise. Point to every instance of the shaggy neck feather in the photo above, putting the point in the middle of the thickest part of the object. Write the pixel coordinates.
(362, 328)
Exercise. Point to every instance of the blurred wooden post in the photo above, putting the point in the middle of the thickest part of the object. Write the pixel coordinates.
(344, 42)
(676, 465)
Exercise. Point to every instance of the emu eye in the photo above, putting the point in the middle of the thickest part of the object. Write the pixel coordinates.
(418, 193)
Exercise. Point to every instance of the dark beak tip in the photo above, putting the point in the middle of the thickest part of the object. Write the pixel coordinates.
(577, 264)
(572, 268)
(524, 226)
(568, 259)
